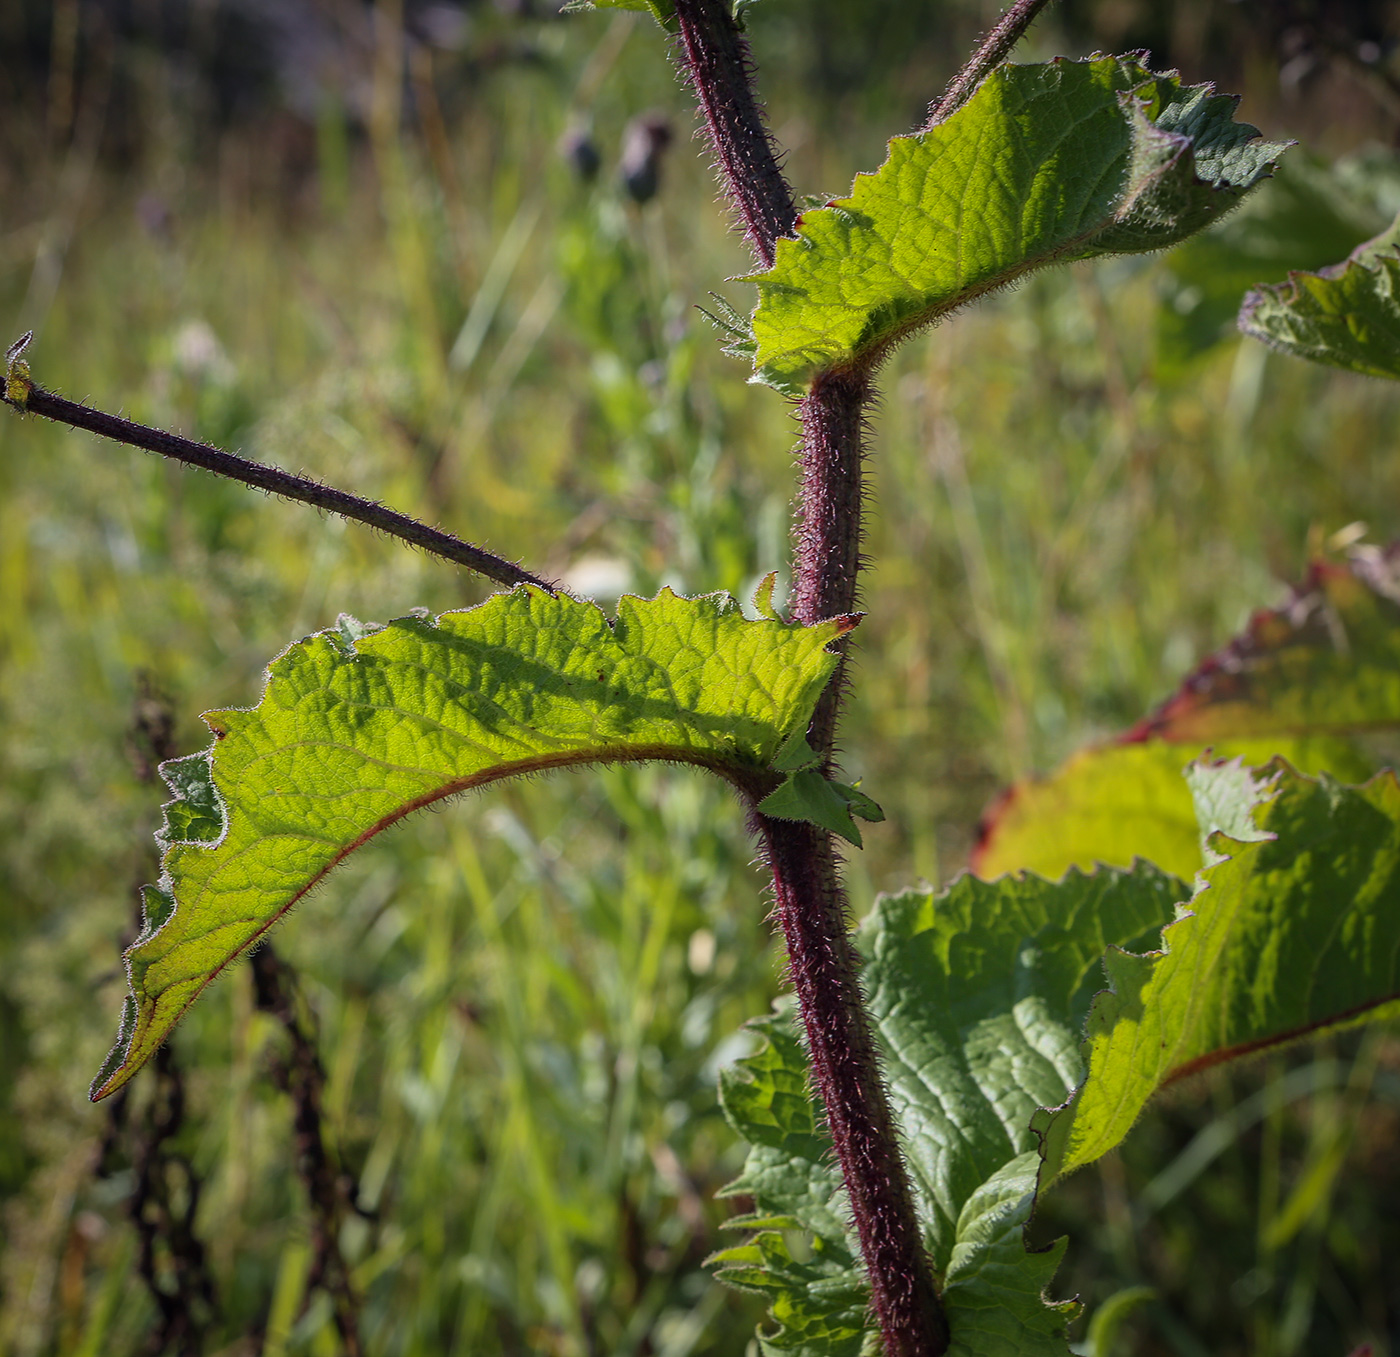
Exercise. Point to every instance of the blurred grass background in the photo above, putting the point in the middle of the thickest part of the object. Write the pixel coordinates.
(356, 241)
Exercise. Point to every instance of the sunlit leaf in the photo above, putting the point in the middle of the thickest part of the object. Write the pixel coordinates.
(359, 726)
(1113, 803)
(1327, 662)
(1045, 163)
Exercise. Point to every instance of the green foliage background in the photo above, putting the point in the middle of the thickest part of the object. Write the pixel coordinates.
(524, 1000)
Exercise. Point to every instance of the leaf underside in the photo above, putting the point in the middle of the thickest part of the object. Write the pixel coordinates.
(1298, 682)
(1045, 163)
(358, 726)
(981, 995)
(1345, 316)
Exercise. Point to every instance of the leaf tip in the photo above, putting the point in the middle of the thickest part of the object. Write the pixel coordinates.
(17, 383)
(763, 598)
(114, 1072)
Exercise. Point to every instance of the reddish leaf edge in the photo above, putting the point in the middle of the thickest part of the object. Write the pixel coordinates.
(752, 783)
(1375, 567)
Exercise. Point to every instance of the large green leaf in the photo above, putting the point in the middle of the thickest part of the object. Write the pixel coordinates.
(979, 996)
(1346, 316)
(1045, 163)
(1297, 930)
(1324, 665)
(358, 726)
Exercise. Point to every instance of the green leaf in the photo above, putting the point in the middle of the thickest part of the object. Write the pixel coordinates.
(17, 384)
(796, 753)
(763, 597)
(979, 996)
(1306, 216)
(1346, 316)
(809, 795)
(1114, 803)
(819, 1302)
(1047, 163)
(860, 805)
(1295, 930)
(358, 727)
(1324, 665)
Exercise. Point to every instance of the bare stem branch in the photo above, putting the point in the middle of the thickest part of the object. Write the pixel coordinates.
(991, 52)
(23, 395)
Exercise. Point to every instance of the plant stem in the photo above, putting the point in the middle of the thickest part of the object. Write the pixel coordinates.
(810, 902)
(716, 60)
(991, 52)
(827, 565)
(811, 907)
(35, 400)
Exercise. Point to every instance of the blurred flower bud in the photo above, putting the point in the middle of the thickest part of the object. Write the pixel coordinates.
(643, 144)
(443, 26)
(153, 213)
(581, 151)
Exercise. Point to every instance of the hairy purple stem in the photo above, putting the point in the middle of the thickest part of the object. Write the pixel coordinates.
(811, 907)
(827, 567)
(716, 59)
(810, 903)
(28, 398)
